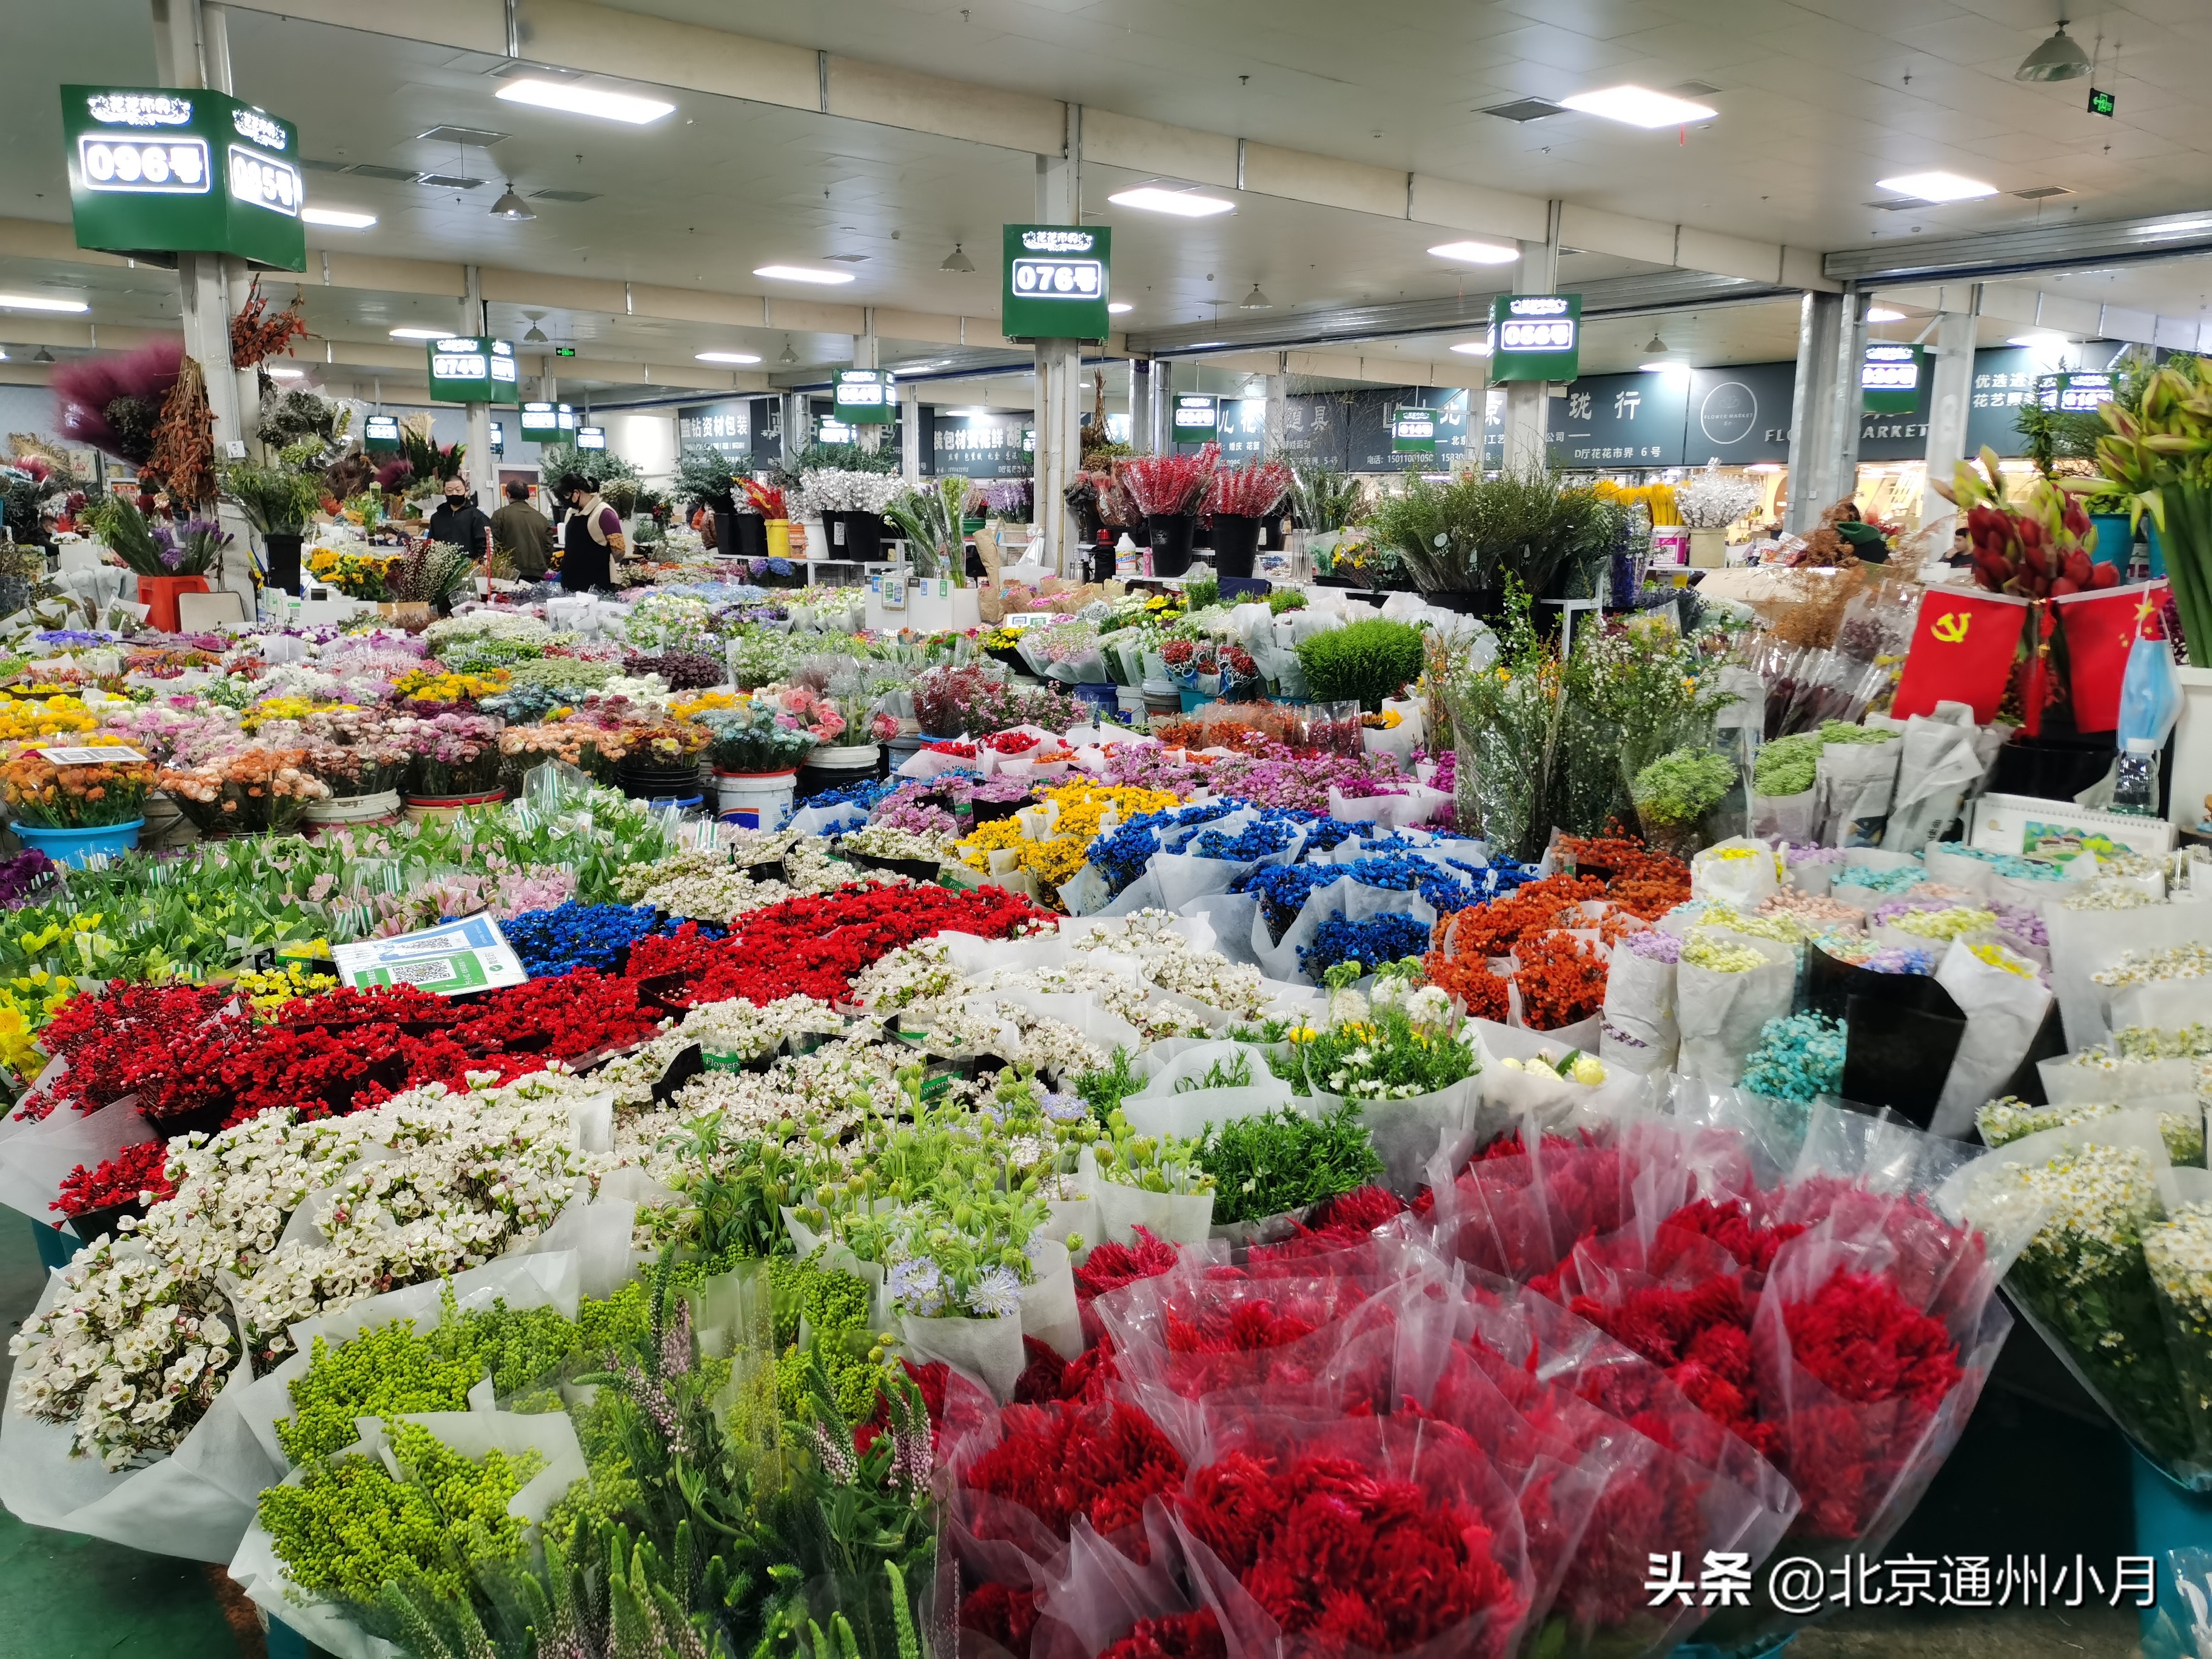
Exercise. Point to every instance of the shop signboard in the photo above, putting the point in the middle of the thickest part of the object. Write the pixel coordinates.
(1313, 430)
(974, 447)
(2007, 377)
(1413, 431)
(472, 368)
(167, 170)
(590, 437)
(379, 435)
(1890, 377)
(1738, 416)
(1607, 420)
(1243, 429)
(1055, 281)
(1371, 420)
(865, 397)
(744, 430)
(544, 422)
(1534, 336)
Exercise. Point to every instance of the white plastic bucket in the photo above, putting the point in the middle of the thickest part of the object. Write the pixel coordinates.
(355, 809)
(754, 800)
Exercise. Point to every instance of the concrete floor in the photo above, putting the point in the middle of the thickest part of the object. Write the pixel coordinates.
(2028, 1477)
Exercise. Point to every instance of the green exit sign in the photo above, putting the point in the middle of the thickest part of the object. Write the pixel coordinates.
(2102, 103)
(564, 351)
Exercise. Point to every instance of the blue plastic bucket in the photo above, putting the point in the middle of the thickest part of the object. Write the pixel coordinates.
(1193, 700)
(2168, 1517)
(1104, 698)
(73, 846)
(2157, 552)
(2116, 540)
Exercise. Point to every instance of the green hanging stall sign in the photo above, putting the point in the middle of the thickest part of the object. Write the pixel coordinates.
(156, 171)
(1536, 337)
(1055, 281)
(1890, 379)
(1412, 430)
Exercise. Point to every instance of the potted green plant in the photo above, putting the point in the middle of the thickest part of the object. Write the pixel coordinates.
(1364, 662)
(1461, 541)
(278, 502)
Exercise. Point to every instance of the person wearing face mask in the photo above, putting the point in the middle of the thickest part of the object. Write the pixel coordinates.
(592, 541)
(460, 522)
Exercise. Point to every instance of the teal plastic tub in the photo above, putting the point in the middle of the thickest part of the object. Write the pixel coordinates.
(2157, 552)
(2115, 540)
(73, 847)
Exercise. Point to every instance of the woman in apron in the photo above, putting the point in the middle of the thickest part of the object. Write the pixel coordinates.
(590, 539)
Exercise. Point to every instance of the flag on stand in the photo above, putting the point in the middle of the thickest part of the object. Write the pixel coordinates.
(2100, 631)
(1963, 646)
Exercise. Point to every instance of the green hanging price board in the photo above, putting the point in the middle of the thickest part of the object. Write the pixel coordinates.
(468, 368)
(1413, 431)
(156, 170)
(1889, 379)
(1536, 337)
(1055, 281)
(867, 396)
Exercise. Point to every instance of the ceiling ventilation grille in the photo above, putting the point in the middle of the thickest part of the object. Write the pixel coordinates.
(1525, 109)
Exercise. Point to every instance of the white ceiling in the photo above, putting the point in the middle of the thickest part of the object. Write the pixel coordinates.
(1813, 104)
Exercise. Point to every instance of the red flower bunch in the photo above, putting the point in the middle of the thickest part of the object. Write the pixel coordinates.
(1012, 743)
(1484, 995)
(1493, 929)
(1172, 1636)
(1339, 1222)
(1098, 1461)
(560, 1018)
(1562, 980)
(815, 944)
(1333, 1550)
(161, 1042)
(320, 1072)
(1251, 491)
(133, 1173)
(957, 751)
(1163, 484)
(764, 499)
(1006, 1615)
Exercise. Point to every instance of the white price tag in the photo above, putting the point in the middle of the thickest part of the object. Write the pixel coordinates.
(112, 756)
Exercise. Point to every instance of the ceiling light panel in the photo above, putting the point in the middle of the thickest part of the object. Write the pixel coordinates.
(1640, 106)
(1477, 253)
(337, 218)
(1182, 203)
(1938, 186)
(801, 274)
(569, 99)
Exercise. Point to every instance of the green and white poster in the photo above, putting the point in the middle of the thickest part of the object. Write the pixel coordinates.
(470, 955)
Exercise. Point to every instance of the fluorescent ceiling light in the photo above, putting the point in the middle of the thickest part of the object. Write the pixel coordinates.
(1884, 314)
(801, 274)
(971, 414)
(727, 357)
(1472, 348)
(1937, 186)
(337, 218)
(571, 100)
(2040, 342)
(1640, 106)
(288, 374)
(1764, 466)
(1118, 307)
(1664, 368)
(40, 302)
(419, 333)
(1183, 203)
(1477, 253)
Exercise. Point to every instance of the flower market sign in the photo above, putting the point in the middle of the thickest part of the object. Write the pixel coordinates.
(155, 170)
(1536, 337)
(467, 368)
(472, 954)
(1055, 281)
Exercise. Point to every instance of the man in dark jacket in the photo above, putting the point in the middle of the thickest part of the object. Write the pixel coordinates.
(524, 533)
(460, 522)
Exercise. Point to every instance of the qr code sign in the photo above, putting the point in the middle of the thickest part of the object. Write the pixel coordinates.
(430, 971)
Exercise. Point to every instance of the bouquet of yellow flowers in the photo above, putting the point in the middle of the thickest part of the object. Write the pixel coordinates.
(424, 691)
(358, 575)
(22, 718)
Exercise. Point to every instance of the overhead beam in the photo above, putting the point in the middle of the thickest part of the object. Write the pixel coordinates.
(2014, 252)
(597, 40)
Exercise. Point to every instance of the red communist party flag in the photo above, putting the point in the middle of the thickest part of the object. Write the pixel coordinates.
(1962, 651)
(2100, 631)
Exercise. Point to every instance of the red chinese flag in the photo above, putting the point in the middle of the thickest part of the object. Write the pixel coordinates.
(1962, 651)
(2100, 631)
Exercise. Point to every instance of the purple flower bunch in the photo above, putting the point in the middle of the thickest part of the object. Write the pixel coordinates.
(189, 548)
(22, 876)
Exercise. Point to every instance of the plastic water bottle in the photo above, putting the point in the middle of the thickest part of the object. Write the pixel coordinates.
(2135, 788)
